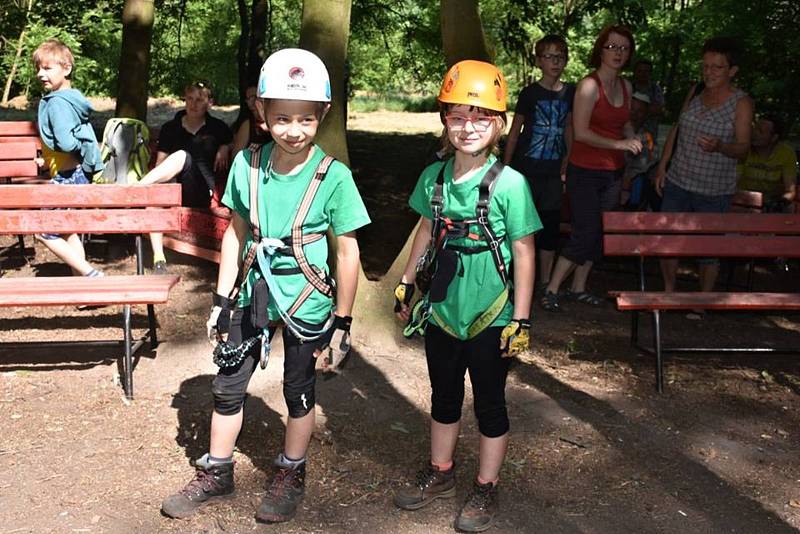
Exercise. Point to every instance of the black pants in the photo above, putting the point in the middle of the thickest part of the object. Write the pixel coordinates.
(449, 358)
(230, 385)
(591, 192)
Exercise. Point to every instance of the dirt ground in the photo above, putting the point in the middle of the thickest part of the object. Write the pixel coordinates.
(594, 449)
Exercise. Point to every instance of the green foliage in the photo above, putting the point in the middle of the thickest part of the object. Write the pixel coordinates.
(395, 51)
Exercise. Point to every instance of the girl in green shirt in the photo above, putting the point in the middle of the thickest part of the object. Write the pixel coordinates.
(475, 314)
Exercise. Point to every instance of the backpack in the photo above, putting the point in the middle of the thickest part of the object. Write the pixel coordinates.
(125, 151)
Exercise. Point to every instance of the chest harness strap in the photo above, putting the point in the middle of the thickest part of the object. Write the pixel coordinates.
(263, 249)
(444, 229)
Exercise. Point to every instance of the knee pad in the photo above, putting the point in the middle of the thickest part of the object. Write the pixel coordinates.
(493, 423)
(299, 401)
(226, 401)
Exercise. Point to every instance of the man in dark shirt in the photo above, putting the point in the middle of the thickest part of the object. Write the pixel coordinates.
(192, 148)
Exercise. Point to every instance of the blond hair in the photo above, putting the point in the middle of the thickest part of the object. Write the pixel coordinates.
(53, 49)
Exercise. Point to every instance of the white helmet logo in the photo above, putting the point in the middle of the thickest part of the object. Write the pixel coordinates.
(296, 73)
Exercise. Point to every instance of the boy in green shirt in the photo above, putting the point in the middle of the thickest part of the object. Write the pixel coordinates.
(276, 247)
(476, 216)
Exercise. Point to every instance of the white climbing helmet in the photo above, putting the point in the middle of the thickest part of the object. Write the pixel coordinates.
(294, 74)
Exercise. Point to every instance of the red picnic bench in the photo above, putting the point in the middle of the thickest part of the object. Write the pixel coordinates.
(673, 235)
(101, 209)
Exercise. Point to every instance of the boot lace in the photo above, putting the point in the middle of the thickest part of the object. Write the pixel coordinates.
(426, 477)
(481, 497)
(282, 479)
(202, 482)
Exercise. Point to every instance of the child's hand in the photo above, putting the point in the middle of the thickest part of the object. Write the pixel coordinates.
(39, 162)
(402, 299)
(222, 158)
(339, 345)
(515, 338)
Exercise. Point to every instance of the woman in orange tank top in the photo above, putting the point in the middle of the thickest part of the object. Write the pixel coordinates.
(603, 132)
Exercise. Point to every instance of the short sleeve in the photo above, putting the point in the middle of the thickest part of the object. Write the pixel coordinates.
(420, 200)
(166, 138)
(237, 190)
(224, 134)
(789, 163)
(521, 217)
(524, 101)
(346, 208)
(570, 97)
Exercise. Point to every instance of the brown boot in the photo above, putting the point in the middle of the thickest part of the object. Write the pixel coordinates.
(479, 511)
(284, 494)
(211, 482)
(430, 484)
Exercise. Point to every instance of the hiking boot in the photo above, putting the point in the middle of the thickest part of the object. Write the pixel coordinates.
(160, 267)
(478, 512)
(212, 482)
(430, 484)
(283, 494)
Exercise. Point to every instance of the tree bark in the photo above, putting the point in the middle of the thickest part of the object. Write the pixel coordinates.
(134, 62)
(462, 32)
(241, 55)
(325, 30)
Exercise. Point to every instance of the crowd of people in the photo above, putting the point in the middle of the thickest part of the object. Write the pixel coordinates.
(480, 214)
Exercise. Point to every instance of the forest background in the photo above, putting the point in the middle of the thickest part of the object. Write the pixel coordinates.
(395, 56)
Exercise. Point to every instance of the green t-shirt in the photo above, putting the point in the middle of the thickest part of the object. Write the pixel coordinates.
(337, 204)
(512, 215)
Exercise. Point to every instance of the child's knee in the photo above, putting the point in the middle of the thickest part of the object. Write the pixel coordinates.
(227, 400)
(299, 399)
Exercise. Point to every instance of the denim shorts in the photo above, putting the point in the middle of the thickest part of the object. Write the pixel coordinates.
(74, 176)
(679, 200)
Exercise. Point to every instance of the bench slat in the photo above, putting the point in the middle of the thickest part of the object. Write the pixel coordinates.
(651, 300)
(14, 169)
(205, 224)
(184, 247)
(700, 223)
(100, 221)
(736, 246)
(78, 196)
(17, 151)
(9, 128)
(77, 290)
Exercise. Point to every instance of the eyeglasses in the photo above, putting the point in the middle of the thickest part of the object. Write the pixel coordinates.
(553, 58)
(616, 47)
(480, 123)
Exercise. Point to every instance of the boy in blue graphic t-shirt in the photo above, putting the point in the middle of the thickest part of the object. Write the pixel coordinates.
(539, 140)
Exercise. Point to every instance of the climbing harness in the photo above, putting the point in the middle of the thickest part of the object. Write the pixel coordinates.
(441, 261)
(263, 249)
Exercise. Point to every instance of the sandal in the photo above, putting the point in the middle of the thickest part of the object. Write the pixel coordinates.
(549, 302)
(584, 297)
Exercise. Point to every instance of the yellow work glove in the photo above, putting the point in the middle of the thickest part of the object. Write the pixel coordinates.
(402, 295)
(515, 337)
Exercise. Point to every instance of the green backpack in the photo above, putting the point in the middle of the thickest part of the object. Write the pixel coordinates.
(125, 151)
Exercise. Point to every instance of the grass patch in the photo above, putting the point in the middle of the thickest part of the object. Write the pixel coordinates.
(368, 103)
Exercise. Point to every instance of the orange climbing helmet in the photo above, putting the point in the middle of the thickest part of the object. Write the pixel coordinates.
(474, 83)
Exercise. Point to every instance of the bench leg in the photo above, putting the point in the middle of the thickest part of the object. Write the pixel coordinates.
(22, 248)
(657, 348)
(127, 364)
(151, 319)
(634, 328)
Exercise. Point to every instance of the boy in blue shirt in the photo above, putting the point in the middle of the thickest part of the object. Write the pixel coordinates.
(69, 145)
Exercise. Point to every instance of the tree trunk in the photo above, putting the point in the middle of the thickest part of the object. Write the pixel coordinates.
(324, 30)
(462, 32)
(17, 55)
(241, 55)
(258, 34)
(134, 62)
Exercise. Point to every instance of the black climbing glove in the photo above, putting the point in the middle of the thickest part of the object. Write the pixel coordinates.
(219, 320)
